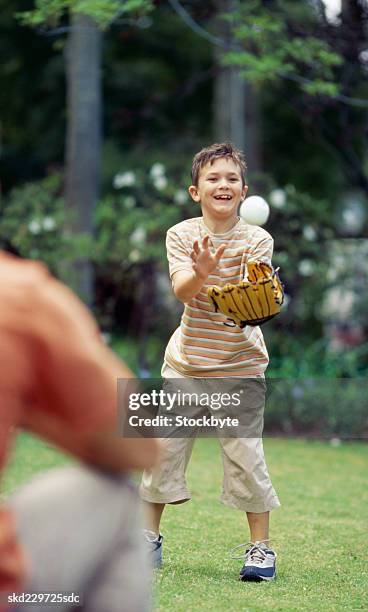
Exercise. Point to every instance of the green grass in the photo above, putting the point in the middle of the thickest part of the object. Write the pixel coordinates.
(30, 456)
(320, 533)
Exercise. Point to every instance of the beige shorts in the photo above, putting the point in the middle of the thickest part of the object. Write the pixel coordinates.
(246, 482)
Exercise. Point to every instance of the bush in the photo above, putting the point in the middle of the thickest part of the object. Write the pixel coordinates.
(321, 407)
(32, 220)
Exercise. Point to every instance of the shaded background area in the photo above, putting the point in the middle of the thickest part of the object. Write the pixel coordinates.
(101, 113)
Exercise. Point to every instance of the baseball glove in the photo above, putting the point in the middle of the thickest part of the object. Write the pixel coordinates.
(251, 302)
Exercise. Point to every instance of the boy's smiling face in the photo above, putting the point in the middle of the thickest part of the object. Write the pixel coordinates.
(220, 189)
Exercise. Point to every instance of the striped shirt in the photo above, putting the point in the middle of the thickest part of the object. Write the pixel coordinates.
(203, 346)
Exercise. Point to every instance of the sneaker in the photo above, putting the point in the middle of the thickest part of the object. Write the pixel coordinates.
(154, 546)
(259, 562)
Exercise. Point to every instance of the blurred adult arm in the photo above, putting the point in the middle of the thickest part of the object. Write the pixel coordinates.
(73, 402)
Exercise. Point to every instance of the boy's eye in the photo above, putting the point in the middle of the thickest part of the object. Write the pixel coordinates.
(212, 179)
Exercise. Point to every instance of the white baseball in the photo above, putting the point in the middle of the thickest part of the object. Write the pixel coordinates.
(254, 210)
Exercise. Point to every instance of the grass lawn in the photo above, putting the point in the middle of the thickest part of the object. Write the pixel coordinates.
(320, 533)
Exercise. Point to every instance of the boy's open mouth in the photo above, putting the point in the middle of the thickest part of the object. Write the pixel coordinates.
(223, 197)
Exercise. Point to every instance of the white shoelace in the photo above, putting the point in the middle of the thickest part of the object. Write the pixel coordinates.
(150, 535)
(252, 550)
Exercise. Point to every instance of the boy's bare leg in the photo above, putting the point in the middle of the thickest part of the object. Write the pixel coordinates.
(153, 516)
(258, 525)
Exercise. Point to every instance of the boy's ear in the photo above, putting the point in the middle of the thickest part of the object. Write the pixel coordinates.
(193, 190)
(244, 192)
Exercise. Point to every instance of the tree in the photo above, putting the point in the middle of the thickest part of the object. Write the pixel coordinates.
(86, 19)
(83, 138)
(282, 41)
(236, 111)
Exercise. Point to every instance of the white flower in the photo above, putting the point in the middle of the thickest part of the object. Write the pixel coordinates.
(157, 170)
(181, 196)
(130, 201)
(335, 442)
(138, 236)
(134, 256)
(309, 233)
(35, 227)
(286, 301)
(306, 267)
(333, 11)
(363, 56)
(48, 224)
(124, 179)
(160, 182)
(353, 219)
(277, 198)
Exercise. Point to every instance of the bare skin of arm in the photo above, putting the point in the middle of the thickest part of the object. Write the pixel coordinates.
(186, 285)
(104, 449)
(72, 399)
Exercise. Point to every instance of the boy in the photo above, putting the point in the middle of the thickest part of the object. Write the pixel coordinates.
(214, 250)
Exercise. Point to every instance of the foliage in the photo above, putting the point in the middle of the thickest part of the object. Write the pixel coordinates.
(129, 253)
(103, 12)
(318, 406)
(300, 225)
(132, 221)
(31, 221)
(315, 70)
(348, 280)
(159, 98)
(315, 359)
(280, 41)
(306, 231)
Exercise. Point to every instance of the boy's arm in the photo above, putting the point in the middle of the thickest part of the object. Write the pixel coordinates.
(187, 285)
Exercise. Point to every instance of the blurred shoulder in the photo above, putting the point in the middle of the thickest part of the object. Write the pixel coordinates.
(20, 281)
(21, 272)
(32, 301)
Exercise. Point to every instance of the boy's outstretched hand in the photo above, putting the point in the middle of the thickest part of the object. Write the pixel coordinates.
(204, 262)
(187, 284)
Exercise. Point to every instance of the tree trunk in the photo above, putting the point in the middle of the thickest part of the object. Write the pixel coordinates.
(83, 139)
(236, 105)
(253, 135)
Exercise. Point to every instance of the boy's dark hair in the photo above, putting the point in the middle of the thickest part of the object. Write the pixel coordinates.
(216, 151)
